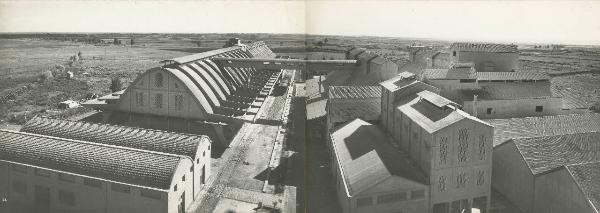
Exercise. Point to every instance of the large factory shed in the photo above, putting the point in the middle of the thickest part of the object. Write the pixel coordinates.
(197, 147)
(46, 174)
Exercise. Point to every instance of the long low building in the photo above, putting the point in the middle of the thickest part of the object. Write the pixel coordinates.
(197, 147)
(41, 173)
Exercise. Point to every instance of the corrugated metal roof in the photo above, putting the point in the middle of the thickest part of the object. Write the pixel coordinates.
(511, 76)
(546, 153)
(505, 129)
(129, 166)
(587, 177)
(367, 158)
(137, 138)
(344, 92)
(484, 47)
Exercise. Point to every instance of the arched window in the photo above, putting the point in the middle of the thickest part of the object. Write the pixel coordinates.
(158, 80)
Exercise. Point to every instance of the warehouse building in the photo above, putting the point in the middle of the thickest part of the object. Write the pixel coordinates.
(529, 172)
(426, 135)
(197, 147)
(49, 174)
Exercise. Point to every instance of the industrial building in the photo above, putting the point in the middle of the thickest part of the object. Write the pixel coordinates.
(535, 173)
(42, 173)
(420, 132)
(197, 147)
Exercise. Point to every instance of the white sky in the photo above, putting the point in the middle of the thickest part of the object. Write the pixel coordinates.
(575, 22)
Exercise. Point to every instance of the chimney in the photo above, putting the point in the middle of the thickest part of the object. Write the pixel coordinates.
(475, 105)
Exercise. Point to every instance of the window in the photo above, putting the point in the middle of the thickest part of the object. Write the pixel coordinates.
(66, 177)
(482, 148)
(539, 108)
(442, 183)
(443, 150)
(19, 168)
(389, 198)
(204, 154)
(42, 172)
(191, 168)
(19, 186)
(480, 178)
(461, 180)
(150, 194)
(209, 147)
(179, 102)
(364, 201)
(158, 100)
(197, 160)
(158, 80)
(66, 197)
(489, 111)
(92, 182)
(463, 145)
(183, 178)
(453, 53)
(175, 187)
(139, 98)
(120, 188)
(417, 194)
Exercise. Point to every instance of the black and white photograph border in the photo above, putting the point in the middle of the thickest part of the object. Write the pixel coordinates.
(307, 106)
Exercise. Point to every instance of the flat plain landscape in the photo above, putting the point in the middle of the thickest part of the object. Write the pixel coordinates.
(27, 90)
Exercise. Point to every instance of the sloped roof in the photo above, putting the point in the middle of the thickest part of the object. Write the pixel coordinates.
(587, 177)
(344, 92)
(367, 158)
(455, 72)
(505, 129)
(137, 138)
(546, 153)
(511, 76)
(124, 165)
(570, 100)
(508, 91)
(401, 80)
(484, 47)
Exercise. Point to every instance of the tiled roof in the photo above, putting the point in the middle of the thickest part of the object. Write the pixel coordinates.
(546, 153)
(137, 138)
(587, 177)
(508, 91)
(570, 100)
(367, 157)
(347, 111)
(505, 129)
(343, 92)
(511, 76)
(124, 165)
(483, 47)
(457, 71)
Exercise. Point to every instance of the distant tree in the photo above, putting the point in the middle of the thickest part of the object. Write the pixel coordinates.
(46, 75)
(320, 43)
(326, 40)
(116, 84)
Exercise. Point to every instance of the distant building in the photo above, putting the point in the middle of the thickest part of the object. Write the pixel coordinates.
(535, 173)
(347, 103)
(486, 57)
(496, 94)
(41, 173)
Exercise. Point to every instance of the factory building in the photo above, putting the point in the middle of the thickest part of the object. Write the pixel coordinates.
(42, 173)
(197, 147)
(427, 154)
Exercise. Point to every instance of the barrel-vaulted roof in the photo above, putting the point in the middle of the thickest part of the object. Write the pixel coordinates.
(112, 163)
(137, 138)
